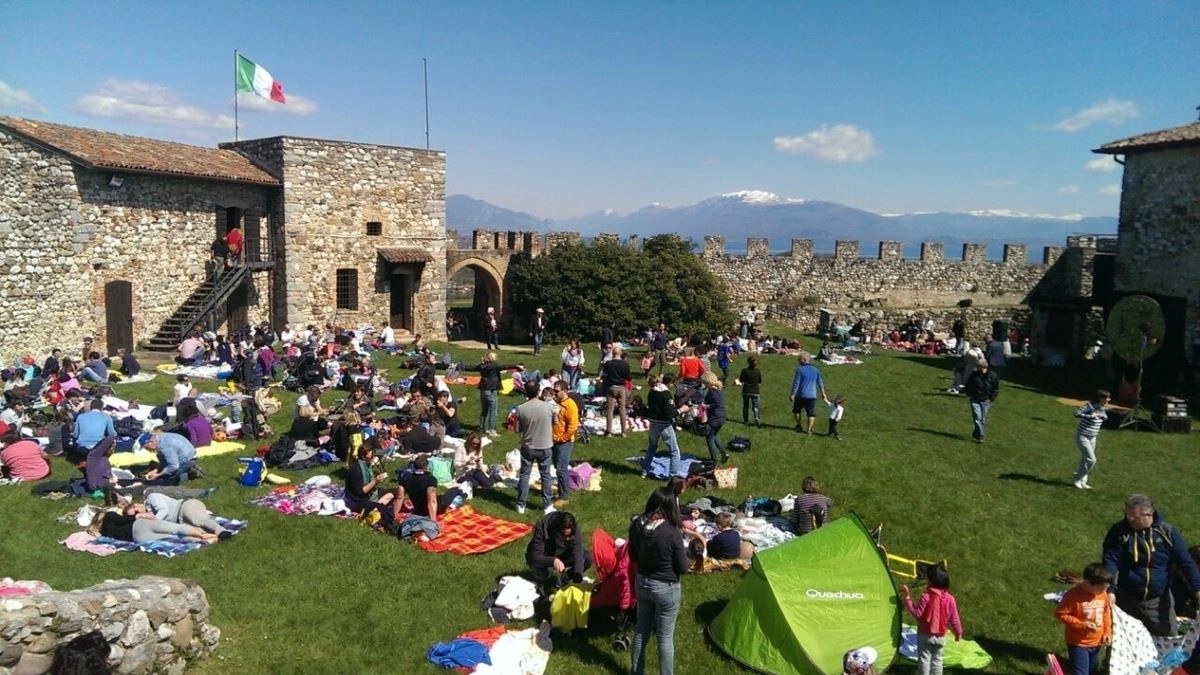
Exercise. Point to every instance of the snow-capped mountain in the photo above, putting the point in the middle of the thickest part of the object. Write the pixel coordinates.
(757, 213)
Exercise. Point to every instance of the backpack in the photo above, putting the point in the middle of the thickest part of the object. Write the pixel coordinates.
(280, 452)
(739, 444)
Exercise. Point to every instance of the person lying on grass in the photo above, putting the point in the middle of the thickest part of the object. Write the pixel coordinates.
(137, 524)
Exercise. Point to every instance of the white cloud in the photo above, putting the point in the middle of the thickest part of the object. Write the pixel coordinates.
(1102, 164)
(1112, 111)
(19, 99)
(999, 182)
(296, 104)
(148, 102)
(1068, 190)
(1109, 190)
(839, 143)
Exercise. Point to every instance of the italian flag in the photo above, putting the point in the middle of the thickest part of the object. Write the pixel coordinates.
(254, 78)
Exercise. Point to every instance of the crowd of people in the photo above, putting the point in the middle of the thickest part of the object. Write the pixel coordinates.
(685, 378)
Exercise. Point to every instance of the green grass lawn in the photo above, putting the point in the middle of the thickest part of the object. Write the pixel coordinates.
(322, 595)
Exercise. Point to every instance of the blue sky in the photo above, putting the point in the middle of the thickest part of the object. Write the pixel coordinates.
(564, 108)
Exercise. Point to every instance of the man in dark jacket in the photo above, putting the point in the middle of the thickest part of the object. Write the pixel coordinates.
(614, 373)
(557, 549)
(1140, 551)
(982, 387)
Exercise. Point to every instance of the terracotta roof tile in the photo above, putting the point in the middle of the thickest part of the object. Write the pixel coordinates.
(104, 150)
(405, 255)
(1188, 134)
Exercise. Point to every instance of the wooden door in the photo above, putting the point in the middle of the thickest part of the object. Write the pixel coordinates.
(118, 315)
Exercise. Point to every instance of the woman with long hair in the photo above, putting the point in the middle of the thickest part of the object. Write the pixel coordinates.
(714, 401)
(656, 546)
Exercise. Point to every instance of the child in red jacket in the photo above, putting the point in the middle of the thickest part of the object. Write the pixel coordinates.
(936, 611)
(1086, 610)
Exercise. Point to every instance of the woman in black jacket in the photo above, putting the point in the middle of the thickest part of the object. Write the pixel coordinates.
(556, 550)
(751, 382)
(656, 546)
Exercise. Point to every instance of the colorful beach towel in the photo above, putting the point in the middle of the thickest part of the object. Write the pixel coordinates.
(145, 456)
(465, 531)
(167, 548)
(304, 500)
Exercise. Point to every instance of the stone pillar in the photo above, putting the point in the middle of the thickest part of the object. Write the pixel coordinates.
(532, 243)
(757, 247)
(714, 245)
(1051, 254)
(635, 243)
(483, 240)
(976, 253)
(845, 249)
(933, 251)
(802, 249)
(452, 238)
(607, 238)
(891, 250)
(563, 239)
(1015, 254)
(1082, 241)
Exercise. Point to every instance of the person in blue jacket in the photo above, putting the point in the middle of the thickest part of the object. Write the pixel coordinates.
(1140, 550)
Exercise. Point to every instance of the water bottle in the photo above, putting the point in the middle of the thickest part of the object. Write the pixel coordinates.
(748, 507)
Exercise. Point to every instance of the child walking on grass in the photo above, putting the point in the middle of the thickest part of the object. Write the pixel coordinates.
(1091, 417)
(837, 408)
(1086, 611)
(936, 611)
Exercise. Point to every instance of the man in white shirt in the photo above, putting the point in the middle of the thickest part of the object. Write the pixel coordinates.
(748, 322)
(387, 336)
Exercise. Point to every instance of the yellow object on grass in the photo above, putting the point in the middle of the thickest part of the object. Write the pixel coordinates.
(569, 609)
(145, 456)
(507, 385)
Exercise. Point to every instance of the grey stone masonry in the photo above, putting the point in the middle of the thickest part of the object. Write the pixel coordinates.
(67, 231)
(891, 250)
(332, 190)
(152, 624)
(756, 247)
(845, 249)
(933, 251)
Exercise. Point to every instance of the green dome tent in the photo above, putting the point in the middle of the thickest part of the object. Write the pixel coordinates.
(804, 604)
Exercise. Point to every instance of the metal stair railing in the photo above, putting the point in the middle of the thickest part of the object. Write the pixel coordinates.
(228, 279)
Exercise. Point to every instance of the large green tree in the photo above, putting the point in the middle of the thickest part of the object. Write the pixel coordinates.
(582, 288)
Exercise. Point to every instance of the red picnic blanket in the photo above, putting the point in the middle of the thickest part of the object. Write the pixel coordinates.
(466, 531)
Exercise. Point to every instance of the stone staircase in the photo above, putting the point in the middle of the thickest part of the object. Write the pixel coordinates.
(202, 302)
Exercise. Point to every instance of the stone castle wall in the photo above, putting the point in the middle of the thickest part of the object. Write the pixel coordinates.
(332, 190)
(1159, 236)
(65, 232)
(152, 624)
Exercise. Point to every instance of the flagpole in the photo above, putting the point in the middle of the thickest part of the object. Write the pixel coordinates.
(425, 70)
(235, 96)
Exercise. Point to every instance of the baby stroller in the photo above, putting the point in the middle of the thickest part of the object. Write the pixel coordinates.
(614, 595)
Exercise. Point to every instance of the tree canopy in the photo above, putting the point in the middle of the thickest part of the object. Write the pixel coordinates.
(584, 288)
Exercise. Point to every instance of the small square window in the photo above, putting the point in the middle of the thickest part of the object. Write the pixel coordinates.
(374, 229)
(346, 293)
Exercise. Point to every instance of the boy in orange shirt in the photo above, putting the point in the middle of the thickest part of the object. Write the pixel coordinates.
(1086, 610)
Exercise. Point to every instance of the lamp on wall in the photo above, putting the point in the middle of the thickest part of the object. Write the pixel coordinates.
(116, 180)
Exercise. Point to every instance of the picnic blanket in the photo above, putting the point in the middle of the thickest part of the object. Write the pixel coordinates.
(307, 499)
(140, 377)
(168, 548)
(965, 654)
(466, 531)
(145, 456)
(660, 466)
(197, 372)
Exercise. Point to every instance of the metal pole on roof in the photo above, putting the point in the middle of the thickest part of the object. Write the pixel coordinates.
(235, 96)
(425, 71)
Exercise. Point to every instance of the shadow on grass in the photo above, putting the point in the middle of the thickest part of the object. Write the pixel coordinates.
(617, 467)
(499, 497)
(587, 651)
(1068, 382)
(1010, 649)
(935, 432)
(1033, 479)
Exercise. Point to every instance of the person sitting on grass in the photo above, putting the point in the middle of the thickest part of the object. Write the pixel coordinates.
(418, 492)
(727, 545)
(362, 485)
(22, 458)
(556, 550)
(811, 509)
(469, 465)
(176, 457)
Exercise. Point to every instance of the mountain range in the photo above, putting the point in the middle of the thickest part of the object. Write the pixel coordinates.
(755, 213)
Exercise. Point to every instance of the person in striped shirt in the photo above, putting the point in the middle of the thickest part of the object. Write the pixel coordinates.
(1091, 417)
(811, 509)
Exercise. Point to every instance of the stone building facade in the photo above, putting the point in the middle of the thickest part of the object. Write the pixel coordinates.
(109, 235)
(1158, 235)
(365, 235)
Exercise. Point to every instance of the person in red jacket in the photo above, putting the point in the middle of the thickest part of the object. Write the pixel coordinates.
(235, 240)
(936, 611)
(1086, 611)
